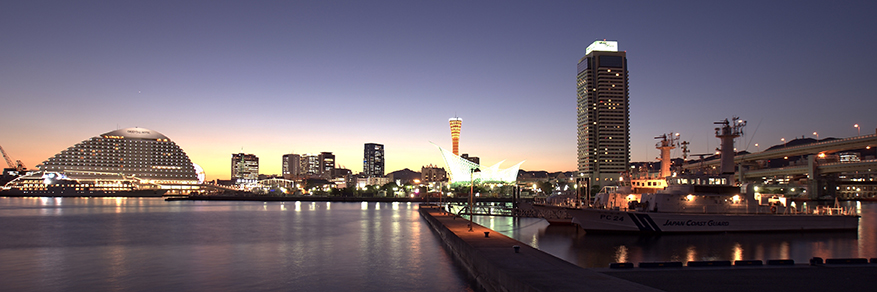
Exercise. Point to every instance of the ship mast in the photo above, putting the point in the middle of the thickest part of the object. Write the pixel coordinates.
(727, 132)
(668, 142)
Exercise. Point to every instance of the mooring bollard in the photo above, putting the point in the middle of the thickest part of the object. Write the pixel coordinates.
(486, 233)
(517, 248)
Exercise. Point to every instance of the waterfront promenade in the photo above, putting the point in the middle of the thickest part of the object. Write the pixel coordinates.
(493, 263)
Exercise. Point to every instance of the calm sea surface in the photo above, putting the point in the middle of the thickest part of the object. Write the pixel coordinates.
(599, 250)
(148, 244)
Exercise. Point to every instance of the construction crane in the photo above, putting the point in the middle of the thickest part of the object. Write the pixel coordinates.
(17, 165)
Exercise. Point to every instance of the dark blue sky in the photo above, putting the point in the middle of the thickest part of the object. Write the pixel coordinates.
(274, 77)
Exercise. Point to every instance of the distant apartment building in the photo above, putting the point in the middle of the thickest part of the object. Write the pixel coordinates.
(432, 173)
(373, 160)
(244, 168)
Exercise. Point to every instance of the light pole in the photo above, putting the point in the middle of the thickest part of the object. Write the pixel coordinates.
(472, 196)
(784, 142)
(817, 136)
(756, 148)
(858, 130)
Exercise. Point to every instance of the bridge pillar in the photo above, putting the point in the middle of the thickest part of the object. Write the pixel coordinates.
(813, 189)
(740, 174)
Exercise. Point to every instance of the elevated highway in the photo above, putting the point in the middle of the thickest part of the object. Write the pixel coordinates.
(822, 168)
(827, 147)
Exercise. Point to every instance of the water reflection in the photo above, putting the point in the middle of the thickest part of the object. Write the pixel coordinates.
(599, 250)
(74, 244)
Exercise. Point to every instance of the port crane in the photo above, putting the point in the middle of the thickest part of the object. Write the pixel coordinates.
(17, 165)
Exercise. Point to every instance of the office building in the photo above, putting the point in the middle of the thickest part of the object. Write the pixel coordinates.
(244, 168)
(373, 160)
(603, 134)
(292, 167)
(327, 164)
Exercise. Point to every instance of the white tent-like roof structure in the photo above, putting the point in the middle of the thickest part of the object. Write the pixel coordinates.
(461, 170)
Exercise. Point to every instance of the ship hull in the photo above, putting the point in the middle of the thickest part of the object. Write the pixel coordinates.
(603, 220)
(82, 193)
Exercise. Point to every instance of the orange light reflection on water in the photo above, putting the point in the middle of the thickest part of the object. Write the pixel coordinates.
(621, 254)
(737, 252)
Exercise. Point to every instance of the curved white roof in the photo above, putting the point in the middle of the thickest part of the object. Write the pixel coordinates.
(136, 133)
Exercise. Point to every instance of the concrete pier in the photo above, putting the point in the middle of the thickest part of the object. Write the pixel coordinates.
(495, 265)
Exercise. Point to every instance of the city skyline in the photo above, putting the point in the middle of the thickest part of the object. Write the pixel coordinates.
(305, 77)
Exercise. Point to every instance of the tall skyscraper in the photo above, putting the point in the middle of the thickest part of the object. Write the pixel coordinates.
(603, 113)
(456, 125)
(244, 168)
(373, 160)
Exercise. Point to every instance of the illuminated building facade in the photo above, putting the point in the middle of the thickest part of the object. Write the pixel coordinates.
(432, 173)
(124, 162)
(460, 171)
(244, 168)
(456, 126)
(310, 164)
(302, 166)
(327, 164)
(291, 166)
(603, 134)
(373, 160)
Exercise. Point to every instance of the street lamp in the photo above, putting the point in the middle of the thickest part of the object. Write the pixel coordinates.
(858, 130)
(817, 136)
(756, 148)
(784, 142)
(472, 196)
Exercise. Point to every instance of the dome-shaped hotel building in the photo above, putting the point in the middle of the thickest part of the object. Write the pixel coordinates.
(125, 162)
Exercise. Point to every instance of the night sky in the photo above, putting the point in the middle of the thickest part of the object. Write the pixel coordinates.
(277, 77)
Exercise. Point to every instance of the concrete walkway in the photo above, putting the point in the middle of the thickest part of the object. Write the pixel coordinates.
(495, 265)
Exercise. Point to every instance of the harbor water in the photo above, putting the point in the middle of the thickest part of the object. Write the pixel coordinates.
(599, 250)
(148, 244)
